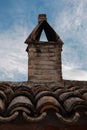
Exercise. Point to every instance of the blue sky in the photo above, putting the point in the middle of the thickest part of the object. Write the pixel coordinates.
(17, 20)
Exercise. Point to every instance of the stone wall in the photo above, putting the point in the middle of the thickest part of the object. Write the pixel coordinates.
(74, 83)
(44, 62)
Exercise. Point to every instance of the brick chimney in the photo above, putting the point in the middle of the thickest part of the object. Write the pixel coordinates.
(44, 58)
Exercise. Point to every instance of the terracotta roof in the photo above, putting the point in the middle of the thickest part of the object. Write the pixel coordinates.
(33, 102)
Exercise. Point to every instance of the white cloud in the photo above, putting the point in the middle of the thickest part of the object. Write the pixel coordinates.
(72, 73)
(71, 25)
(72, 19)
(13, 58)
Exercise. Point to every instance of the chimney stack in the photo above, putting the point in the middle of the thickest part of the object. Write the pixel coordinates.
(44, 57)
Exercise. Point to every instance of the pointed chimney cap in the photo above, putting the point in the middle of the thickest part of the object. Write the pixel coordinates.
(42, 17)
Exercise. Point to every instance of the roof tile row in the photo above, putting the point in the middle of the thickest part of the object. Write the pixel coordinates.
(33, 103)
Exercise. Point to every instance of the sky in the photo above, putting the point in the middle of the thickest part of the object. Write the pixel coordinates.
(17, 20)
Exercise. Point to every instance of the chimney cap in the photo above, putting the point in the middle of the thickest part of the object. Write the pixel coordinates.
(42, 17)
